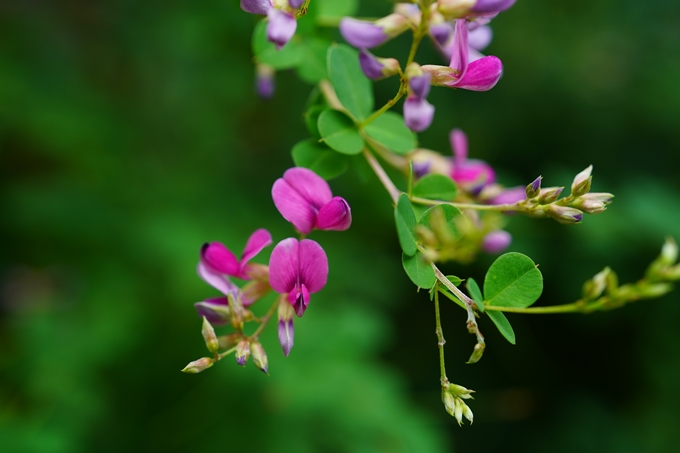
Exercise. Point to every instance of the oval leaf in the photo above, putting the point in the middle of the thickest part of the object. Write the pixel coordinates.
(312, 66)
(406, 221)
(338, 131)
(324, 162)
(390, 131)
(351, 85)
(475, 293)
(513, 281)
(435, 187)
(420, 272)
(503, 325)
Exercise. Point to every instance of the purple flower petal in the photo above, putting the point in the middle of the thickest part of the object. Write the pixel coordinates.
(256, 242)
(299, 195)
(313, 265)
(459, 57)
(496, 241)
(441, 32)
(264, 81)
(459, 144)
(256, 6)
(420, 85)
(299, 299)
(510, 196)
(491, 6)
(281, 27)
(284, 266)
(310, 185)
(481, 75)
(480, 37)
(362, 34)
(220, 258)
(215, 279)
(295, 3)
(473, 171)
(418, 114)
(335, 215)
(286, 335)
(370, 65)
(210, 308)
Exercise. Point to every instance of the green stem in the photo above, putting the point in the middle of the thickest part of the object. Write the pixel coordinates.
(382, 176)
(225, 353)
(265, 320)
(478, 207)
(440, 339)
(384, 108)
(574, 307)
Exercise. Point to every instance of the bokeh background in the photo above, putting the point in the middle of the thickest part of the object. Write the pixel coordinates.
(130, 134)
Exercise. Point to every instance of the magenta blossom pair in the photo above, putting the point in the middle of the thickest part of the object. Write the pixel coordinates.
(305, 200)
(281, 17)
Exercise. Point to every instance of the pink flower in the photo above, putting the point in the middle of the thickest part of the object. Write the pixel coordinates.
(472, 174)
(220, 259)
(298, 269)
(305, 200)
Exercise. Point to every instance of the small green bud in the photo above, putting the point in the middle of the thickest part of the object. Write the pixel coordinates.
(198, 365)
(655, 290)
(582, 182)
(477, 353)
(460, 391)
(549, 195)
(237, 311)
(592, 289)
(669, 252)
(534, 189)
(449, 401)
(259, 356)
(564, 214)
(228, 341)
(209, 336)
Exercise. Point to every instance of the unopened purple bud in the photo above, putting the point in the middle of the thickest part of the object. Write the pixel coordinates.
(564, 214)
(264, 81)
(259, 356)
(496, 241)
(286, 335)
(377, 68)
(491, 6)
(420, 169)
(362, 34)
(256, 6)
(534, 188)
(198, 365)
(420, 85)
(418, 114)
(295, 3)
(242, 352)
(281, 27)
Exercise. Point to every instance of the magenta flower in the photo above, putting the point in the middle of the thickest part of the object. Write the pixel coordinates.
(298, 269)
(496, 241)
(305, 200)
(478, 75)
(472, 174)
(216, 309)
(221, 260)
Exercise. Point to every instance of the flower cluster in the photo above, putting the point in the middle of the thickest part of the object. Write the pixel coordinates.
(297, 268)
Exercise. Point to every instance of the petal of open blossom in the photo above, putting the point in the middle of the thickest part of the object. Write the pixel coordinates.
(459, 56)
(281, 27)
(299, 299)
(256, 6)
(293, 206)
(256, 242)
(296, 3)
(421, 85)
(284, 265)
(362, 34)
(371, 67)
(215, 279)
(313, 265)
(418, 114)
(335, 215)
(286, 335)
(214, 310)
(481, 75)
(491, 6)
(480, 37)
(459, 144)
(474, 171)
(311, 186)
(510, 196)
(220, 258)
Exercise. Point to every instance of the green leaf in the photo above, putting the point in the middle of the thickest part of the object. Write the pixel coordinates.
(324, 162)
(335, 8)
(265, 52)
(312, 119)
(312, 66)
(453, 279)
(443, 220)
(435, 187)
(390, 131)
(513, 281)
(406, 221)
(420, 272)
(351, 85)
(503, 325)
(475, 293)
(338, 131)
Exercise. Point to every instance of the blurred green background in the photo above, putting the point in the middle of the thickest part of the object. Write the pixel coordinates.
(130, 134)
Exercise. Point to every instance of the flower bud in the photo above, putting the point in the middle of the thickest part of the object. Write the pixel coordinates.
(228, 341)
(264, 81)
(655, 289)
(669, 252)
(549, 195)
(286, 330)
(496, 241)
(377, 68)
(460, 391)
(592, 289)
(366, 35)
(565, 215)
(255, 290)
(449, 401)
(209, 336)
(198, 365)
(242, 352)
(452, 9)
(534, 189)
(582, 182)
(477, 352)
(259, 356)
(281, 27)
